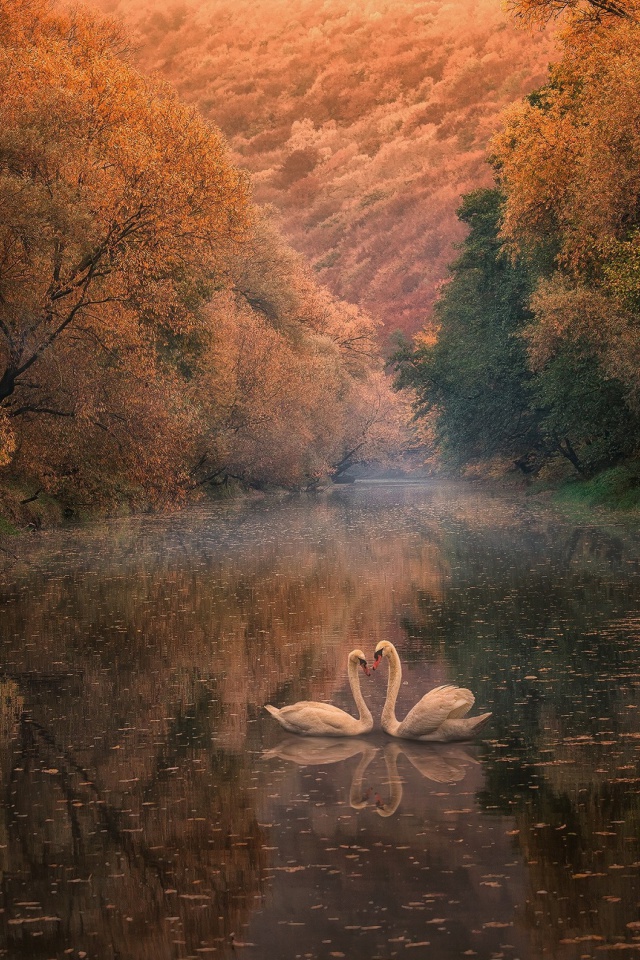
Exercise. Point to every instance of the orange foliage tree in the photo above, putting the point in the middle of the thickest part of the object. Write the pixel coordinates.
(120, 212)
(291, 385)
(154, 329)
(568, 161)
(578, 11)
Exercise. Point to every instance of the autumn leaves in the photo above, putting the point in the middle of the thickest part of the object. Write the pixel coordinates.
(119, 212)
(556, 279)
(155, 334)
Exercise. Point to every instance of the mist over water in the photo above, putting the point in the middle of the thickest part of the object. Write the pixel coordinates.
(152, 809)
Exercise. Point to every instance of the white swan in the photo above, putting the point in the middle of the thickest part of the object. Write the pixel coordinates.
(310, 718)
(438, 717)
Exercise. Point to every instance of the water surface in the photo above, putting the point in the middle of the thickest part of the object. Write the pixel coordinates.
(152, 809)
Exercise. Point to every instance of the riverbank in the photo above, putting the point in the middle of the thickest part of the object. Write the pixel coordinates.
(616, 489)
(24, 508)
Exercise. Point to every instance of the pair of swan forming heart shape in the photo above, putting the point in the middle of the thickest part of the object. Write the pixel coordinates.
(439, 717)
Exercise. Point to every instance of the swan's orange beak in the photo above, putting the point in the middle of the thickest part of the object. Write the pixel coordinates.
(365, 670)
(377, 660)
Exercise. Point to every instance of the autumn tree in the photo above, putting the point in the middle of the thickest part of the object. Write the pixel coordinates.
(291, 383)
(155, 331)
(567, 161)
(498, 390)
(120, 213)
(583, 12)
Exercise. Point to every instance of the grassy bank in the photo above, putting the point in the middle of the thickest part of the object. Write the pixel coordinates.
(615, 489)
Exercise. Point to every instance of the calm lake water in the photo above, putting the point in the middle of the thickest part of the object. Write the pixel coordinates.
(152, 809)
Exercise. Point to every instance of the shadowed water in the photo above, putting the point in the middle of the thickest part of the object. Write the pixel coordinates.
(151, 808)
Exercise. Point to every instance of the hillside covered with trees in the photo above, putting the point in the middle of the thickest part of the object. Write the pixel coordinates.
(536, 357)
(156, 333)
(362, 124)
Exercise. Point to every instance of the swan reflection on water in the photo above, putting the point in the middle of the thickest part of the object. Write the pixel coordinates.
(325, 750)
(440, 763)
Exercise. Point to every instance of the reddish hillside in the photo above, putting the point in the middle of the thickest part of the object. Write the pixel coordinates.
(361, 123)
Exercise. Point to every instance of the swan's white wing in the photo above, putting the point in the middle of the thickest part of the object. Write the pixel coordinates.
(442, 703)
(312, 718)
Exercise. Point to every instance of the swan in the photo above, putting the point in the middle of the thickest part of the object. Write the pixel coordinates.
(438, 717)
(309, 718)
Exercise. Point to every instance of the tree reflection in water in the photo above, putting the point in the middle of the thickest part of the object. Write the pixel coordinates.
(131, 866)
(149, 810)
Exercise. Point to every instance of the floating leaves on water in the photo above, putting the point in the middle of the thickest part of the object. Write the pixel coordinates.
(136, 778)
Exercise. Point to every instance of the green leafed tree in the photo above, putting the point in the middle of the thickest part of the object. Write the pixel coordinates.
(474, 380)
(496, 388)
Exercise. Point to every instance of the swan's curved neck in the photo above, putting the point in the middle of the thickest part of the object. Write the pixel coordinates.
(357, 795)
(394, 780)
(388, 718)
(354, 682)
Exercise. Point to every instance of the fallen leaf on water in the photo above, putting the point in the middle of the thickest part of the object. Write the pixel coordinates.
(581, 939)
(620, 946)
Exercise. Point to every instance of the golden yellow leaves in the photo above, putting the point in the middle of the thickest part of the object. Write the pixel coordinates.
(7, 440)
(120, 211)
(567, 160)
(155, 332)
(580, 13)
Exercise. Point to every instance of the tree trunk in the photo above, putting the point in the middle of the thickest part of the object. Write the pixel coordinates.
(7, 383)
(570, 454)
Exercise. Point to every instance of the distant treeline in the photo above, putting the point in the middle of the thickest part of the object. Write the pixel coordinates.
(156, 334)
(536, 356)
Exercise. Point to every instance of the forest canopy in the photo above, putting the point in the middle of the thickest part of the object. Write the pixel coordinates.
(156, 334)
(362, 124)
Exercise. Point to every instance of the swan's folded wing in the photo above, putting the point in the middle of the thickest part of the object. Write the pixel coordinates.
(442, 703)
(462, 701)
(314, 717)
